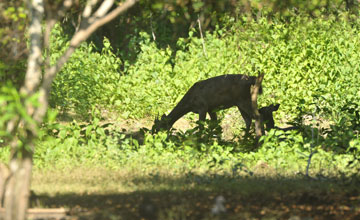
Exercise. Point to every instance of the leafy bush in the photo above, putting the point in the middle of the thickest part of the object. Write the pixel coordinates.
(13, 111)
(92, 145)
(305, 61)
(89, 79)
(311, 69)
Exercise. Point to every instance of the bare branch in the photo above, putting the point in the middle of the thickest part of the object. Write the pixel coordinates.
(49, 76)
(49, 25)
(103, 9)
(88, 8)
(18, 185)
(152, 29)
(86, 30)
(309, 162)
(202, 37)
(66, 6)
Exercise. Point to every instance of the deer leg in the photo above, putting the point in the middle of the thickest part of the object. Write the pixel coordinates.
(202, 117)
(245, 108)
(247, 120)
(247, 111)
(213, 116)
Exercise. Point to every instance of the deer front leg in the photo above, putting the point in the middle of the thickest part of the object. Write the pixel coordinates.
(202, 117)
(248, 114)
(247, 120)
(213, 116)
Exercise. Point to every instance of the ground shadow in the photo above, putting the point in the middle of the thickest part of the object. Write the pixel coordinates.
(244, 198)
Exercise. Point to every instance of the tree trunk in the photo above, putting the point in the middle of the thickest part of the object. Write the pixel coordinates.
(4, 173)
(17, 188)
(254, 94)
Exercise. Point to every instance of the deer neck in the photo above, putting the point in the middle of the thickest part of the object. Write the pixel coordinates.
(179, 111)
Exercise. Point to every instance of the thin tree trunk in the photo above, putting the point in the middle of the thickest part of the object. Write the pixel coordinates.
(254, 94)
(4, 174)
(18, 185)
(17, 188)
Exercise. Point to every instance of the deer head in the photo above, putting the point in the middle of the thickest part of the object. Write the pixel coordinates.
(160, 124)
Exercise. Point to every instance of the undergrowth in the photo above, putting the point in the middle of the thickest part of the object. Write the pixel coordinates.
(311, 69)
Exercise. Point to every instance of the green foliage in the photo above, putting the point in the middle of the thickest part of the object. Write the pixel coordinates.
(12, 72)
(311, 69)
(94, 145)
(76, 141)
(304, 62)
(144, 84)
(13, 48)
(307, 62)
(87, 79)
(13, 110)
(15, 121)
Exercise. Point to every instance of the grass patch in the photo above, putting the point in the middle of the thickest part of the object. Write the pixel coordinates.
(105, 193)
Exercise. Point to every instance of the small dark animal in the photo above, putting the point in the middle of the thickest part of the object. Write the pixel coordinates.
(267, 116)
(217, 93)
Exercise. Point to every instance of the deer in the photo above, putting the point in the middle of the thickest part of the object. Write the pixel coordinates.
(218, 93)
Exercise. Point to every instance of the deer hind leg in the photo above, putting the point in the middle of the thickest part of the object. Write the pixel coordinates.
(245, 108)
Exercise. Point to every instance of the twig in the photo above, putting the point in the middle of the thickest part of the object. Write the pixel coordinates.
(202, 37)
(309, 162)
(311, 148)
(152, 29)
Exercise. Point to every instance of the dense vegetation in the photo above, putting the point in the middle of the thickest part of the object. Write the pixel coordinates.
(311, 66)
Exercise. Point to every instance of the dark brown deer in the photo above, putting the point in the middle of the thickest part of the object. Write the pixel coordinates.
(217, 93)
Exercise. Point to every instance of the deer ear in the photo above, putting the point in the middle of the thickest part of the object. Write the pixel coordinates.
(276, 107)
(163, 117)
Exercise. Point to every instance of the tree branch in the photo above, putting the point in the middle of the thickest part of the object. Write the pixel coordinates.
(86, 29)
(202, 37)
(88, 8)
(102, 10)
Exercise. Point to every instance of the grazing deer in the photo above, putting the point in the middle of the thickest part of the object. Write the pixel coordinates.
(213, 94)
